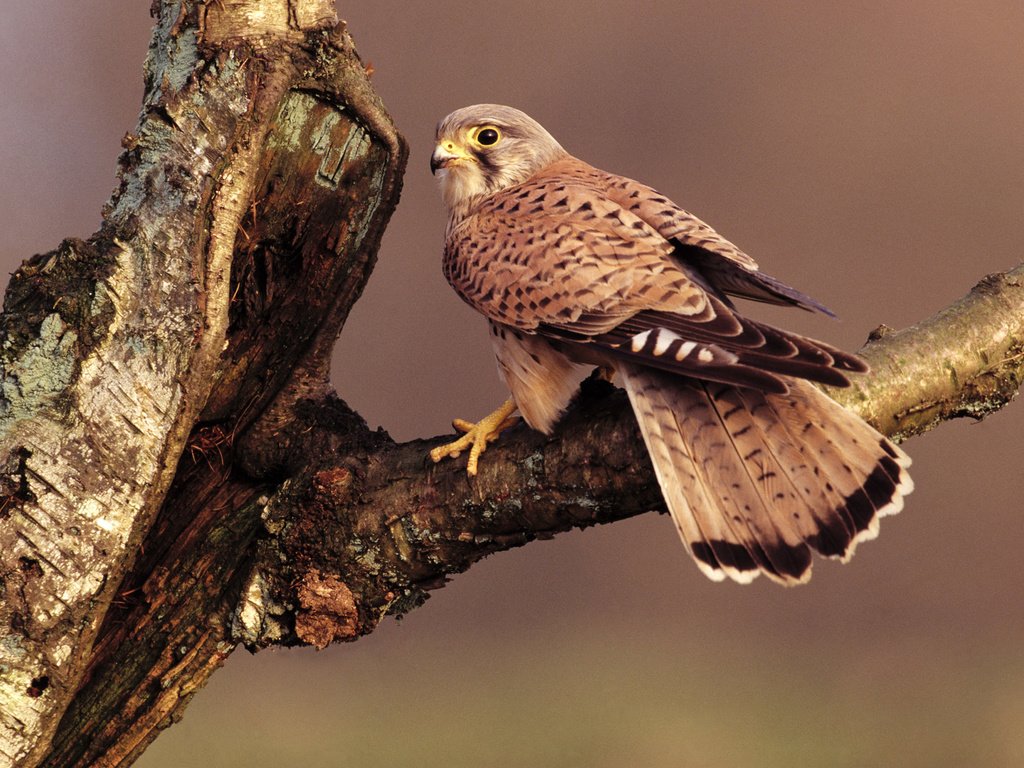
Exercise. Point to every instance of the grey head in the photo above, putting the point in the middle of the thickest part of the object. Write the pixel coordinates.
(485, 148)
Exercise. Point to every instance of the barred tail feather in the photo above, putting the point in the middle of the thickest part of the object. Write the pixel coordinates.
(755, 481)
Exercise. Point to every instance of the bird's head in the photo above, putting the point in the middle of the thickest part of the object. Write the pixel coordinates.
(485, 148)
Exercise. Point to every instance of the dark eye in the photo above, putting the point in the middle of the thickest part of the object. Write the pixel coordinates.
(487, 136)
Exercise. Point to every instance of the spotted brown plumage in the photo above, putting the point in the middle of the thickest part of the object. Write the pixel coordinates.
(575, 267)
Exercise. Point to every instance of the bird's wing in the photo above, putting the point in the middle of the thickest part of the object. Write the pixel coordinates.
(672, 222)
(557, 256)
(697, 244)
(555, 251)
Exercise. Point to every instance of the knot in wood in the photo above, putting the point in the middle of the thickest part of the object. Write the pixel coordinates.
(335, 483)
(327, 610)
(880, 332)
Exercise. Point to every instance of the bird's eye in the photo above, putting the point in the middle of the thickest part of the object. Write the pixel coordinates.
(487, 136)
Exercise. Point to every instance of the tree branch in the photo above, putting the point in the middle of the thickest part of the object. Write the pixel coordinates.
(101, 391)
(967, 360)
(261, 155)
(367, 527)
(408, 526)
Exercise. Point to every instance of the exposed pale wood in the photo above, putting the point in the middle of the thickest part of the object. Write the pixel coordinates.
(967, 360)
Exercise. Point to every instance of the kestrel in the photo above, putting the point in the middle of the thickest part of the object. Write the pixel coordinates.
(574, 267)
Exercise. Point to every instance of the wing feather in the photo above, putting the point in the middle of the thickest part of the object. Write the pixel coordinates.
(593, 260)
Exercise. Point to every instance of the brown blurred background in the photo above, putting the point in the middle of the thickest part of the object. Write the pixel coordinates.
(870, 153)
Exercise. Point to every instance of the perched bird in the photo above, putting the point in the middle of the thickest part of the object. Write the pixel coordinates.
(574, 268)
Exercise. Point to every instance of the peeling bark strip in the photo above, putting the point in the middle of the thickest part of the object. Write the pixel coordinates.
(175, 474)
(114, 346)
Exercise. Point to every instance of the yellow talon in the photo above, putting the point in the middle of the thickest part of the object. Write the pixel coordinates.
(477, 436)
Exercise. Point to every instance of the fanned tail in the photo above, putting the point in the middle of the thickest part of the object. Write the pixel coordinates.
(755, 481)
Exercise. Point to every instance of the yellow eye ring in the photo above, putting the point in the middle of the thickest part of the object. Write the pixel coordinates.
(486, 135)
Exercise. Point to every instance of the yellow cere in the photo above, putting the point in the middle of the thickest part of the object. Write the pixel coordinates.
(452, 148)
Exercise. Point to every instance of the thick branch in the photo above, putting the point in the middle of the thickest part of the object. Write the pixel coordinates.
(403, 527)
(215, 278)
(368, 527)
(967, 360)
(103, 380)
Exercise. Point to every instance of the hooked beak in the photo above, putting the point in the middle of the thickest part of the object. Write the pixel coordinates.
(446, 153)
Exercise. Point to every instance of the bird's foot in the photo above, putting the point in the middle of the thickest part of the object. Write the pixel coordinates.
(477, 436)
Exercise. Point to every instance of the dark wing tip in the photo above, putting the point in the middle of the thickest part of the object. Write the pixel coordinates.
(792, 295)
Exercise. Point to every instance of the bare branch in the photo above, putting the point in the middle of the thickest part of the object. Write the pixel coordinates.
(967, 360)
(411, 525)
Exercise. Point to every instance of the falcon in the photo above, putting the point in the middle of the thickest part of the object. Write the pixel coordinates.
(576, 268)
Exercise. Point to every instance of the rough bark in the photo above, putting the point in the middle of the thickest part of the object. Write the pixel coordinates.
(178, 476)
(215, 282)
(363, 527)
(965, 361)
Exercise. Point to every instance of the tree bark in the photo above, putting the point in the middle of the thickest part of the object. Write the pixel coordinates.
(217, 280)
(178, 476)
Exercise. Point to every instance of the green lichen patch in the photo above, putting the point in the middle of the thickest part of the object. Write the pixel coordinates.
(67, 282)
